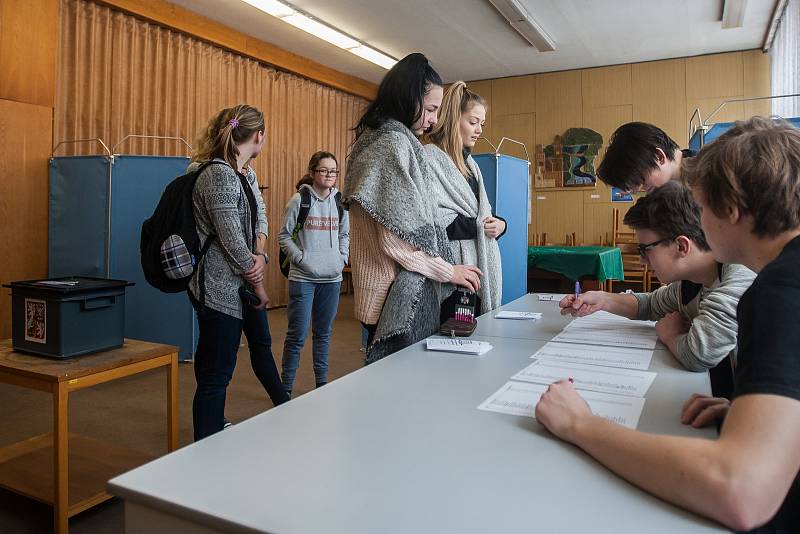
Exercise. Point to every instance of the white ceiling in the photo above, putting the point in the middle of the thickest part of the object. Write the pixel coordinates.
(469, 40)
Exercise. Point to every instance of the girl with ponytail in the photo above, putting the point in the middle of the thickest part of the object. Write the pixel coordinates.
(229, 213)
(462, 204)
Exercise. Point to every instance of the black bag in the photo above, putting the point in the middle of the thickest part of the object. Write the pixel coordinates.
(169, 245)
(305, 207)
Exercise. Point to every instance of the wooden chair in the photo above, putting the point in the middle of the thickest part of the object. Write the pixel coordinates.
(625, 240)
(571, 240)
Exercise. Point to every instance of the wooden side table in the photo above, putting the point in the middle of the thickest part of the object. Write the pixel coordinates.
(65, 470)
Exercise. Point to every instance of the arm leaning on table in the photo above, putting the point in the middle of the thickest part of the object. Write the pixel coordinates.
(739, 480)
(710, 335)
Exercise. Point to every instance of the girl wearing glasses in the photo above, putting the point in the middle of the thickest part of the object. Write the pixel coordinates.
(317, 248)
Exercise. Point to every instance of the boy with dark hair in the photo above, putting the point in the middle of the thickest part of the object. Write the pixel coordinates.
(641, 157)
(696, 311)
(748, 185)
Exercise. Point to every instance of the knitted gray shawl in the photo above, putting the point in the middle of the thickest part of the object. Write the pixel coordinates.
(388, 175)
(454, 198)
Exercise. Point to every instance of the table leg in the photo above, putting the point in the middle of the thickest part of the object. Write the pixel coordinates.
(172, 403)
(60, 457)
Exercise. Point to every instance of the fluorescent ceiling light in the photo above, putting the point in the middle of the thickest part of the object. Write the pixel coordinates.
(325, 33)
(321, 30)
(522, 21)
(733, 13)
(370, 54)
(273, 7)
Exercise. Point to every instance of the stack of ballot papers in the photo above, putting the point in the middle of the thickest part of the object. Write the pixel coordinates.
(461, 346)
(606, 358)
(603, 328)
(519, 315)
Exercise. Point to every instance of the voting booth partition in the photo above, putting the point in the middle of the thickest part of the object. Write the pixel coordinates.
(506, 180)
(97, 205)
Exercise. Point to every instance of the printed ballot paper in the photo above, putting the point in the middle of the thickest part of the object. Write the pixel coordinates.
(461, 346)
(520, 398)
(518, 315)
(588, 377)
(630, 358)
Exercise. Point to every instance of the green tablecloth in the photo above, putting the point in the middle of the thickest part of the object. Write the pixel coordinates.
(602, 263)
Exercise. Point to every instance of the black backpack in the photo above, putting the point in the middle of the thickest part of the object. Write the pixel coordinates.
(305, 207)
(169, 245)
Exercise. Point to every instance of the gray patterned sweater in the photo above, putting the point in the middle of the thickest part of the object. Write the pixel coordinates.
(221, 208)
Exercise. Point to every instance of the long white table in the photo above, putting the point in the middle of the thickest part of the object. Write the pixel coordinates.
(399, 447)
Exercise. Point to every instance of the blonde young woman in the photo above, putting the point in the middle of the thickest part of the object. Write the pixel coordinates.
(227, 210)
(463, 207)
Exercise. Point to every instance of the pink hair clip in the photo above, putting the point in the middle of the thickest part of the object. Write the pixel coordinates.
(234, 123)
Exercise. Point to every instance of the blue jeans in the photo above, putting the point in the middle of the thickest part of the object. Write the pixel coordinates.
(317, 303)
(215, 360)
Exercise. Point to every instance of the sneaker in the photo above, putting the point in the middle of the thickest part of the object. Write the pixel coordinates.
(226, 424)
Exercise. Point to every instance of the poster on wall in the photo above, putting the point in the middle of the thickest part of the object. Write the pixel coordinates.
(569, 160)
(618, 195)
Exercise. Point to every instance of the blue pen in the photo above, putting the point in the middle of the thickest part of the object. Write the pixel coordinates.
(577, 289)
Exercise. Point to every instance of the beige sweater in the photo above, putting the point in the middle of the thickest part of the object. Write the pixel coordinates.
(376, 254)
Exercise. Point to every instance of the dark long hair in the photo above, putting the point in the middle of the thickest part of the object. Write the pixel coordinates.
(400, 93)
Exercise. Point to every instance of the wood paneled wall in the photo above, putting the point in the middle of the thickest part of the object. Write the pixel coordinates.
(28, 38)
(121, 75)
(535, 108)
(170, 15)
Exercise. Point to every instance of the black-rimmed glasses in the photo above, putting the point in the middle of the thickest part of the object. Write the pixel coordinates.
(644, 248)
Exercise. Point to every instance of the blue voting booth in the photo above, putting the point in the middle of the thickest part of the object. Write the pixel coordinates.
(506, 179)
(97, 206)
(708, 133)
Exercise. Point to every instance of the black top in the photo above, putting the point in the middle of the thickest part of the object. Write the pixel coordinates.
(722, 374)
(769, 358)
(467, 227)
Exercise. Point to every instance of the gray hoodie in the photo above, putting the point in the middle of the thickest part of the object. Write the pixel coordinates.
(324, 242)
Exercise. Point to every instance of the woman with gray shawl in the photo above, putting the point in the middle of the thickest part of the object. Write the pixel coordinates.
(463, 207)
(402, 264)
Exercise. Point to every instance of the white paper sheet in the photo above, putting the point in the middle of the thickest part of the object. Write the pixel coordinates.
(588, 377)
(629, 358)
(518, 315)
(551, 297)
(520, 398)
(461, 346)
(606, 329)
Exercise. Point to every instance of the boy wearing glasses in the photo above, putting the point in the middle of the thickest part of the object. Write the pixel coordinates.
(696, 310)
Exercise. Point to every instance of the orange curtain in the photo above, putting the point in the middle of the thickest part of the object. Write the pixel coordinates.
(118, 75)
